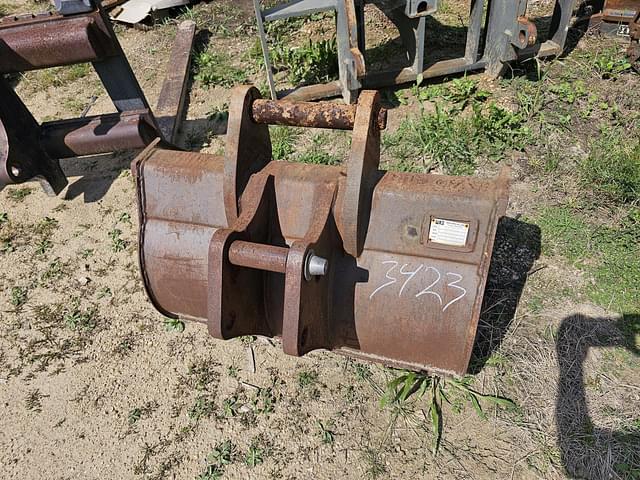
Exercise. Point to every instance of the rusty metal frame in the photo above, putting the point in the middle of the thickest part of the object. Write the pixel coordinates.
(29, 150)
(253, 246)
(504, 35)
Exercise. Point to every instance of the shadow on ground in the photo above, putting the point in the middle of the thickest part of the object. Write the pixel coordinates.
(588, 451)
(517, 247)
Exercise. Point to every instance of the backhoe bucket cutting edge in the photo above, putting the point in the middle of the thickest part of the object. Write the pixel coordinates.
(388, 267)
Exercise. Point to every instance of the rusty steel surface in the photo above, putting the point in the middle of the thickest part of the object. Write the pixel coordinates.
(21, 154)
(620, 10)
(317, 115)
(100, 134)
(258, 256)
(408, 254)
(48, 40)
(171, 103)
(44, 40)
(528, 35)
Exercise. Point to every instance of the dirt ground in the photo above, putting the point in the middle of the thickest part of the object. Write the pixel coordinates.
(95, 384)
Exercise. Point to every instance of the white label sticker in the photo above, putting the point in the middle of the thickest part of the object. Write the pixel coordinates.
(448, 232)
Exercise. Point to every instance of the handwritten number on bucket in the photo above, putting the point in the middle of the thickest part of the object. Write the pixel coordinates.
(410, 276)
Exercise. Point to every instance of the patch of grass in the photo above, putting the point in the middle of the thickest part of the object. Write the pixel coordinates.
(136, 414)
(612, 169)
(58, 76)
(4, 10)
(54, 270)
(282, 141)
(431, 140)
(307, 378)
(18, 297)
(216, 69)
(459, 91)
(312, 62)
(326, 433)
(203, 407)
(223, 454)
(453, 139)
(374, 464)
(437, 390)
(610, 255)
(174, 325)
(316, 154)
(255, 454)
(19, 194)
(118, 244)
(78, 319)
(610, 63)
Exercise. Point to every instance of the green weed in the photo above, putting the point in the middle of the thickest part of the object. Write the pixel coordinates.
(43, 246)
(223, 454)
(363, 371)
(201, 375)
(264, 401)
(203, 407)
(212, 472)
(433, 139)
(282, 142)
(46, 226)
(307, 378)
(77, 319)
(174, 325)
(230, 407)
(4, 10)
(19, 194)
(326, 433)
(118, 244)
(18, 297)
(460, 91)
(54, 270)
(610, 64)
(255, 455)
(215, 69)
(437, 389)
(313, 62)
(374, 464)
(136, 414)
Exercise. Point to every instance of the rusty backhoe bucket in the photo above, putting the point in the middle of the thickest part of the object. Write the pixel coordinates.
(389, 267)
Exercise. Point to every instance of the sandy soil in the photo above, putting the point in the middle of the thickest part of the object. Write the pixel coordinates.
(94, 385)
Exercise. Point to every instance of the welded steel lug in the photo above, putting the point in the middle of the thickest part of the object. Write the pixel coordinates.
(73, 7)
(384, 266)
